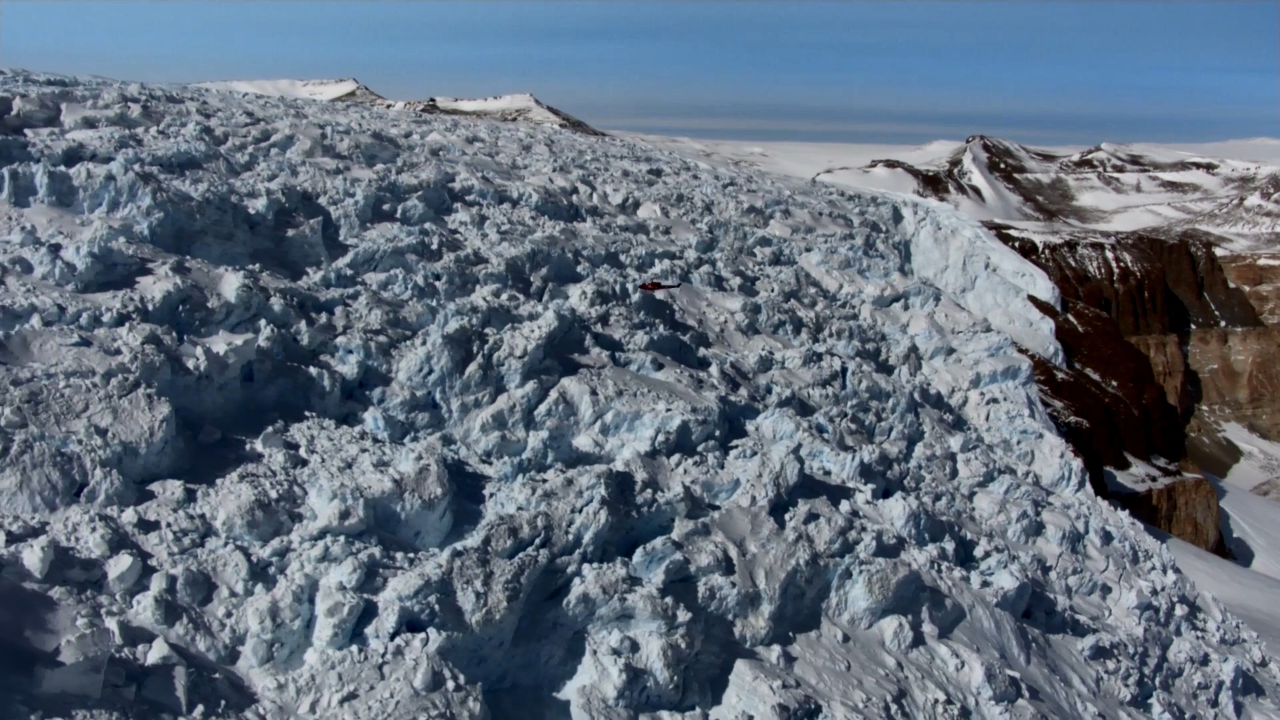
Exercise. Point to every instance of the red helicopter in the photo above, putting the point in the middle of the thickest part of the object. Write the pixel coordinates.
(653, 285)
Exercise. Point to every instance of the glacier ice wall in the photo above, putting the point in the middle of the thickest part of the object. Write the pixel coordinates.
(330, 411)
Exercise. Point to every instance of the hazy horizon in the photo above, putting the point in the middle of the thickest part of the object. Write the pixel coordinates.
(1066, 73)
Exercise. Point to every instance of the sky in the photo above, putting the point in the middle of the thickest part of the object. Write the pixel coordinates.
(894, 72)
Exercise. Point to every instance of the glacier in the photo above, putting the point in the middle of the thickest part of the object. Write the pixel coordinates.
(325, 410)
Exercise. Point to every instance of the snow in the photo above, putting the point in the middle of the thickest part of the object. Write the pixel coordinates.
(1259, 150)
(876, 178)
(300, 89)
(1246, 593)
(802, 159)
(1140, 475)
(328, 410)
(1145, 185)
(1252, 529)
(1259, 461)
(525, 104)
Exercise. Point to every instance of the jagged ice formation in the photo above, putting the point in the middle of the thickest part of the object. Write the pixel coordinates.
(332, 411)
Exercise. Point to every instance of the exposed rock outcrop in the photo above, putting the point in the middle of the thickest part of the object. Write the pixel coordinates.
(1148, 284)
(1169, 363)
(1113, 405)
(1185, 507)
(1107, 401)
(1239, 376)
(1259, 277)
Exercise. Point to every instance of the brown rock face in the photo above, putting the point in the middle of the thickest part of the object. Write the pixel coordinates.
(1149, 285)
(1081, 415)
(1186, 507)
(1107, 402)
(1134, 305)
(1239, 376)
(1208, 449)
(1259, 277)
(1135, 401)
(1169, 363)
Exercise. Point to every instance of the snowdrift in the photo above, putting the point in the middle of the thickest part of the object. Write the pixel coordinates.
(321, 410)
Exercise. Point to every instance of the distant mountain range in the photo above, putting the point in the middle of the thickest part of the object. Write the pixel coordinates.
(508, 108)
(1046, 191)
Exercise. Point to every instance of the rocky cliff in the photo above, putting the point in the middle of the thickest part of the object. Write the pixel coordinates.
(1239, 377)
(1168, 360)
(1108, 385)
(1185, 507)
(1153, 331)
(1258, 275)
(1148, 284)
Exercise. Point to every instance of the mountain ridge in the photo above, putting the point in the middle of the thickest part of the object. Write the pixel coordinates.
(519, 107)
(1109, 186)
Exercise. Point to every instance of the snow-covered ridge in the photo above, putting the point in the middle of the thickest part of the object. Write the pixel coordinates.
(302, 89)
(1108, 187)
(323, 410)
(521, 107)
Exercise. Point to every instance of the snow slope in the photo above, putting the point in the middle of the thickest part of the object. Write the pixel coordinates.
(1259, 462)
(798, 159)
(1248, 594)
(1252, 529)
(1247, 498)
(526, 106)
(322, 410)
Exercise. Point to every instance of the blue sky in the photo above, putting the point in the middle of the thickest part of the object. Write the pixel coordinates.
(1073, 72)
